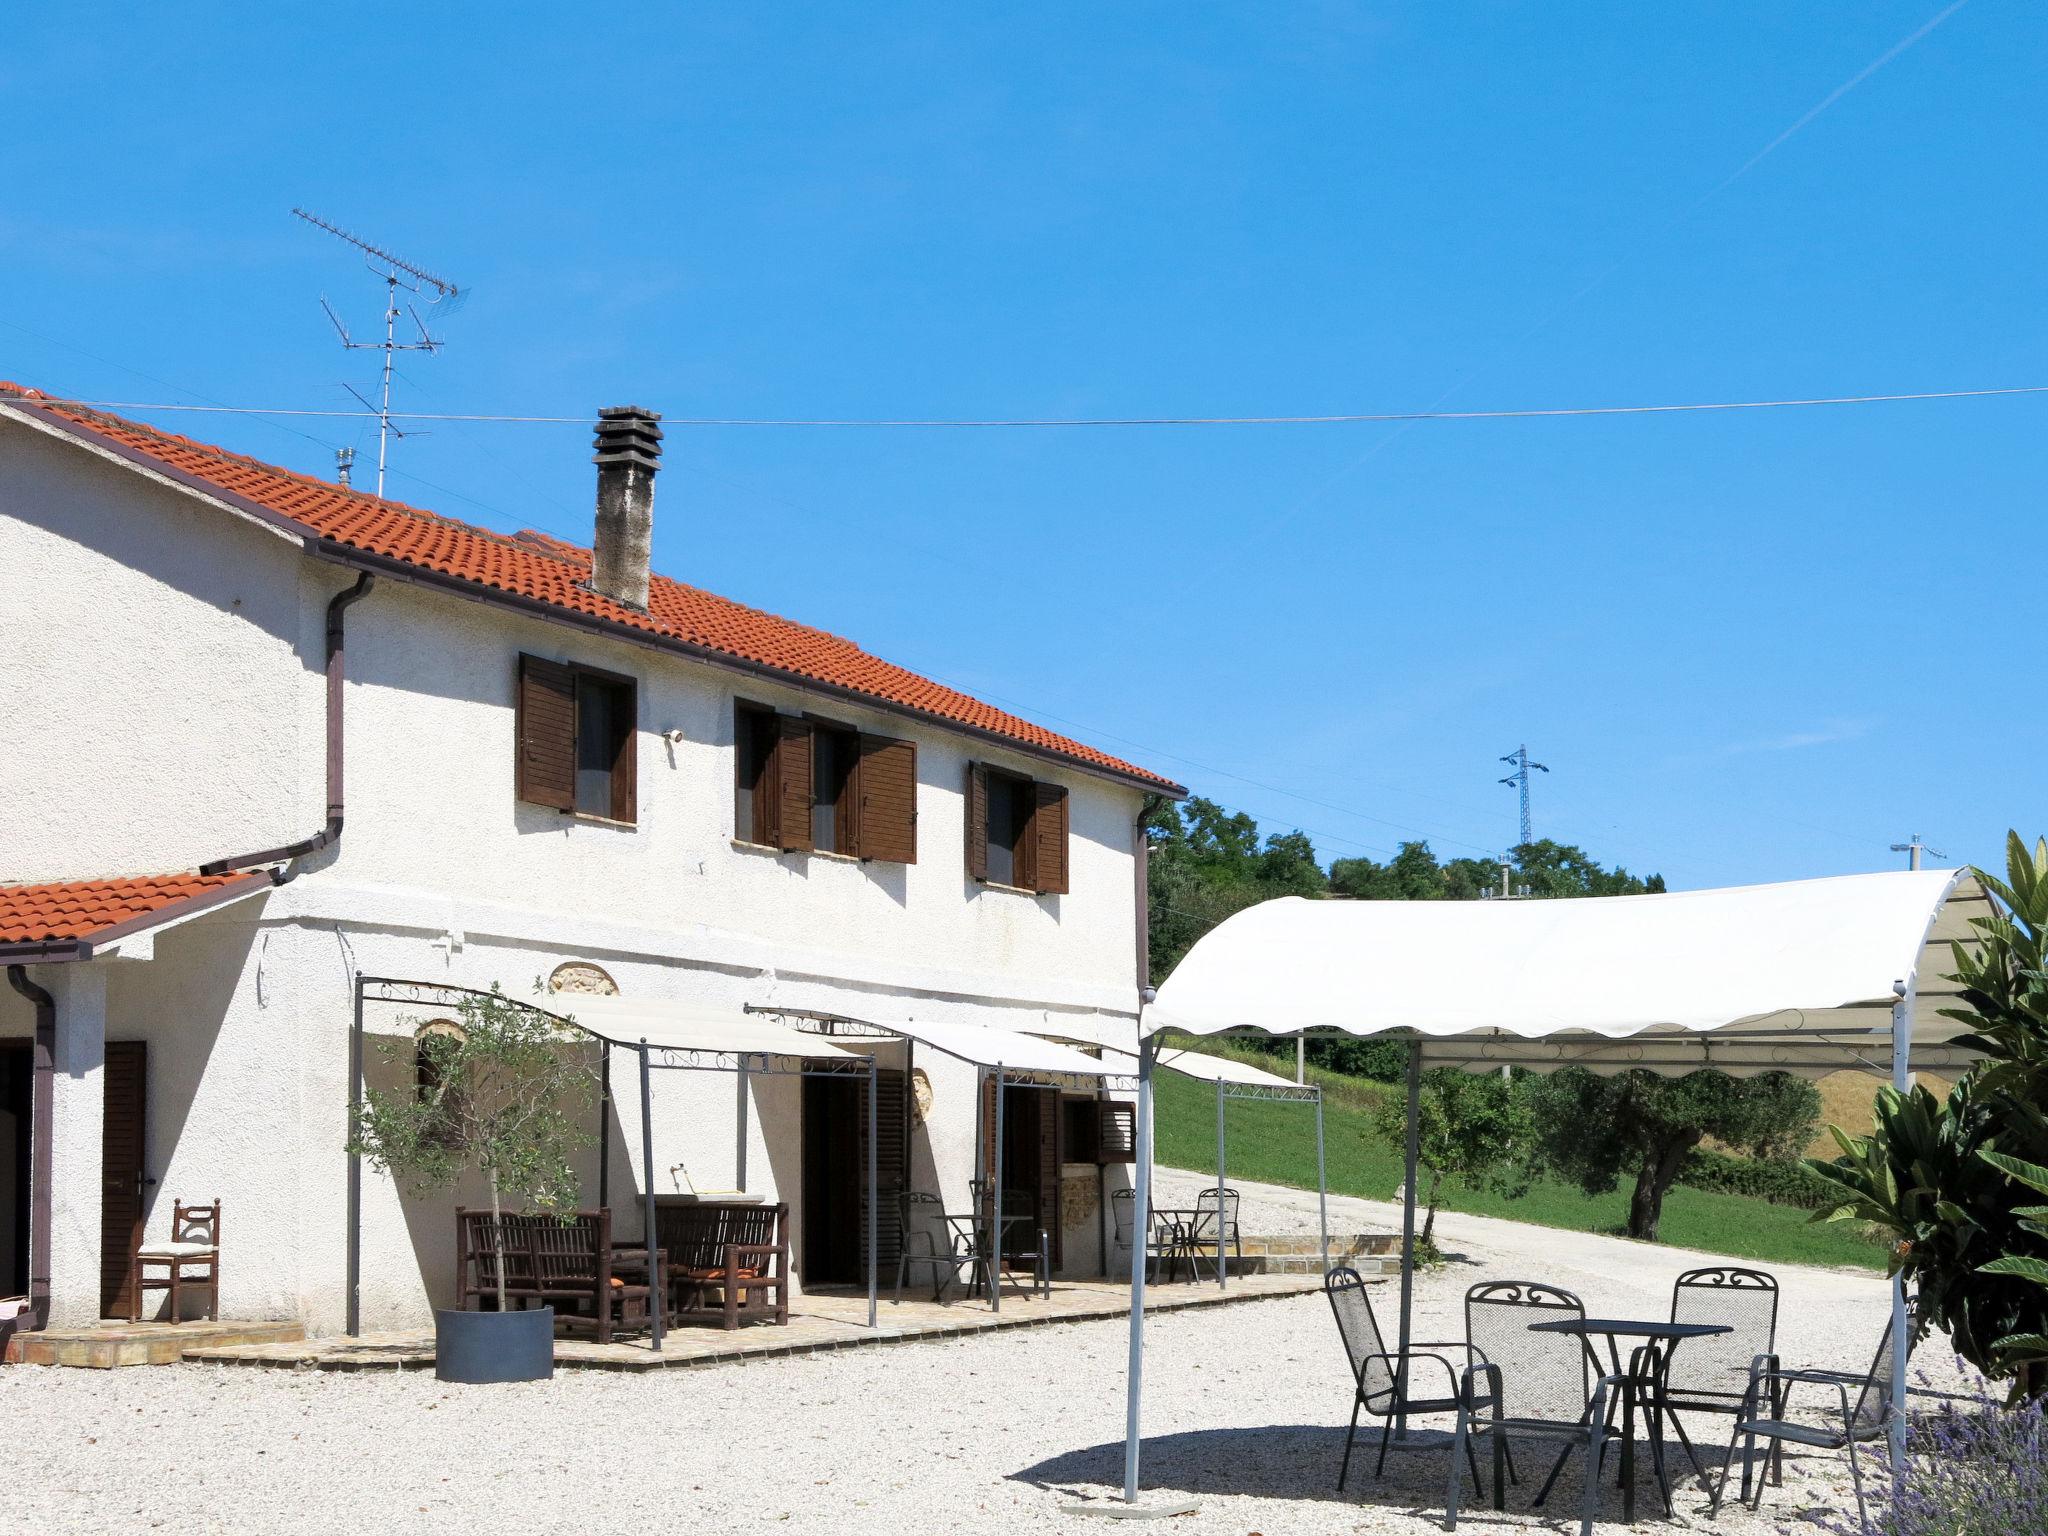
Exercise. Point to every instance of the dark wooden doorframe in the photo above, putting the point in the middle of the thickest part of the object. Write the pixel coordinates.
(832, 1173)
(16, 1073)
(1031, 1162)
(123, 1151)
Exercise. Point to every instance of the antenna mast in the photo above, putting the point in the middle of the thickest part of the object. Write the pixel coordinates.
(396, 274)
(1914, 849)
(1519, 779)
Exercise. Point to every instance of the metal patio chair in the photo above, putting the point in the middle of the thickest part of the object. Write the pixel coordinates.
(1708, 1374)
(1162, 1240)
(1211, 1215)
(1864, 1405)
(929, 1240)
(1381, 1385)
(1533, 1386)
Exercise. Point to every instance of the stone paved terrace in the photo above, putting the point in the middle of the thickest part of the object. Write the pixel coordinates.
(818, 1321)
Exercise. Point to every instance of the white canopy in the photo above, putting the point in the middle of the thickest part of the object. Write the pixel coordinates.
(1207, 1068)
(694, 1027)
(1794, 977)
(1022, 1058)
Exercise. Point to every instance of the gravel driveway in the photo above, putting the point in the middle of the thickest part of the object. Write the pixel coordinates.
(1245, 1411)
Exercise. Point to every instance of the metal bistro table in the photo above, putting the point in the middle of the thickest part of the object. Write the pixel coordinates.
(1180, 1221)
(1655, 1334)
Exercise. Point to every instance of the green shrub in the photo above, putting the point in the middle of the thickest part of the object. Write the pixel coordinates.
(1761, 1178)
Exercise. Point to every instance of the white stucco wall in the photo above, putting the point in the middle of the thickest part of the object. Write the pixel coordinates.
(153, 670)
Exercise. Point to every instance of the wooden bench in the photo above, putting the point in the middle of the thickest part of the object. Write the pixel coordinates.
(727, 1263)
(563, 1261)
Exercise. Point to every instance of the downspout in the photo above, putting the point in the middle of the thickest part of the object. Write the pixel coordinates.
(41, 1142)
(337, 674)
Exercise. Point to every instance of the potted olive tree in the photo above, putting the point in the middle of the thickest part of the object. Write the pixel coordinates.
(499, 1091)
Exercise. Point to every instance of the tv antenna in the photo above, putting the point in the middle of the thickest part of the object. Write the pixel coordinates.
(396, 274)
(1519, 779)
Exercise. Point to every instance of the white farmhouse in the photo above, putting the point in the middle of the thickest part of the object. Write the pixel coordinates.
(267, 735)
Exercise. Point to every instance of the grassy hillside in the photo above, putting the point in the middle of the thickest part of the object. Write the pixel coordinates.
(1275, 1144)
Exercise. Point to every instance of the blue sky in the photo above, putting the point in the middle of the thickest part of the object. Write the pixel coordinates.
(1750, 646)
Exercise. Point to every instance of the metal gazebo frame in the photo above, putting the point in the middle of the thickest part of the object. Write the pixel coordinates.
(402, 991)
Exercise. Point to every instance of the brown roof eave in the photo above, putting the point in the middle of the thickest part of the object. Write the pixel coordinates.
(56, 951)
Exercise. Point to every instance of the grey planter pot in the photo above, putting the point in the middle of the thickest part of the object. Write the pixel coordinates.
(495, 1346)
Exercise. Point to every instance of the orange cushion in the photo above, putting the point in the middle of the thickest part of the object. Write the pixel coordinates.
(719, 1274)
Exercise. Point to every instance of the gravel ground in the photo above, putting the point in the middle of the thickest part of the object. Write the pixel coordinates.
(1245, 1408)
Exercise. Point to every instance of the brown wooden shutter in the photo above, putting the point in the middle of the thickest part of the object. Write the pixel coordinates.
(546, 731)
(885, 826)
(793, 783)
(1049, 1159)
(1049, 839)
(626, 759)
(977, 822)
(892, 1166)
(988, 1126)
(122, 1150)
(1116, 1132)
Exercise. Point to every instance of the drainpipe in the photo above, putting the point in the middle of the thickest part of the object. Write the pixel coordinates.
(41, 1143)
(337, 672)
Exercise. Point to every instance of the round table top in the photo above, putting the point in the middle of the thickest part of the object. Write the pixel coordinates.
(1617, 1327)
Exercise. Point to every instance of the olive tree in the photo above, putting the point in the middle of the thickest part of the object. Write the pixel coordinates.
(503, 1093)
(1473, 1128)
(1597, 1130)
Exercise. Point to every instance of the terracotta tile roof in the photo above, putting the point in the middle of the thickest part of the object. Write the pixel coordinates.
(79, 910)
(551, 571)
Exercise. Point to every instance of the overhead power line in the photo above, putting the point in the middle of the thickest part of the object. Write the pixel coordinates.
(1352, 418)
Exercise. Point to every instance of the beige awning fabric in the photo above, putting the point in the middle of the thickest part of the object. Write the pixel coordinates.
(1208, 1068)
(1022, 1058)
(696, 1028)
(1795, 977)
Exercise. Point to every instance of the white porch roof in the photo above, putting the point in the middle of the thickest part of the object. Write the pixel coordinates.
(1793, 977)
(1022, 1058)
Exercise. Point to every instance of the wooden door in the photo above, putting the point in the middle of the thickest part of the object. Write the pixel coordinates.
(892, 1169)
(122, 1172)
(16, 1075)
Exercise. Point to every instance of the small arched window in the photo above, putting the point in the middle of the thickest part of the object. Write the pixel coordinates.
(432, 1042)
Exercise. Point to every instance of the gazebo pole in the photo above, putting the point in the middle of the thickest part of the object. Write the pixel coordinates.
(1410, 1158)
(604, 1122)
(739, 1151)
(874, 1193)
(1141, 1242)
(354, 1324)
(1220, 1261)
(654, 1286)
(1902, 1055)
(1322, 1189)
(995, 1207)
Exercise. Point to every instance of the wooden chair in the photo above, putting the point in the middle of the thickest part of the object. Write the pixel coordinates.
(195, 1242)
(728, 1263)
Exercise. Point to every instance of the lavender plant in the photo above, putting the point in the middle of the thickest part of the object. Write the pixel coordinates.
(1978, 1468)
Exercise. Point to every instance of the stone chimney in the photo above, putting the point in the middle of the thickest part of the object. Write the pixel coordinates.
(628, 453)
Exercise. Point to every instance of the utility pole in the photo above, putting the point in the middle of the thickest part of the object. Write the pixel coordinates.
(1914, 849)
(1519, 779)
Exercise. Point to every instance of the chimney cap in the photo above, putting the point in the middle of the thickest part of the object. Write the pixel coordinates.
(627, 434)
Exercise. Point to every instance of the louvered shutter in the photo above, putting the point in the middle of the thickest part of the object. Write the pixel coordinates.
(1049, 839)
(122, 1152)
(1049, 1158)
(977, 821)
(988, 1126)
(793, 783)
(626, 764)
(885, 826)
(546, 731)
(1116, 1132)
(892, 1167)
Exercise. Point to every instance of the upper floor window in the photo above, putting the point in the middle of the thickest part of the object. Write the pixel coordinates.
(1016, 830)
(576, 739)
(802, 784)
